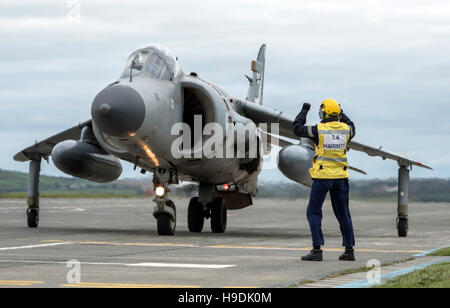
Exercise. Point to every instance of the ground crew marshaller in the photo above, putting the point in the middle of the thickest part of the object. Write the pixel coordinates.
(329, 173)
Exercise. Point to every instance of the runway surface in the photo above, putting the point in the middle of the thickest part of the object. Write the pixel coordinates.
(116, 243)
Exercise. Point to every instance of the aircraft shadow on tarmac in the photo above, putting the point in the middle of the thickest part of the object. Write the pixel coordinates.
(145, 234)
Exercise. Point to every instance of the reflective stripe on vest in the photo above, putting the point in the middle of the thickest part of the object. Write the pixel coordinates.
(339, 160)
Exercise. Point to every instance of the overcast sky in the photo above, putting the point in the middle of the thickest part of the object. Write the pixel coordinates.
(386, 62)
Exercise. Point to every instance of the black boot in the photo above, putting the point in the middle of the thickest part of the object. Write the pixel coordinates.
(348, 255)
(314, 255)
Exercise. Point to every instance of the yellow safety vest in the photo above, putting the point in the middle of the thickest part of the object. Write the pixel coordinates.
(330, 161)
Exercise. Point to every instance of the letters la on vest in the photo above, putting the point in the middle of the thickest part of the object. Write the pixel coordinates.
(330, 161)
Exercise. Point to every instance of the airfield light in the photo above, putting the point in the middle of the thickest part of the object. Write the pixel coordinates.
(160, 191)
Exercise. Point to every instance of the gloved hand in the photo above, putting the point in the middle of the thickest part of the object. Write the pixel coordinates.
(306, 106)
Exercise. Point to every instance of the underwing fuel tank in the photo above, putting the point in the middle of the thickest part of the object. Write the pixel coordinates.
(86, 161)
(294, 162)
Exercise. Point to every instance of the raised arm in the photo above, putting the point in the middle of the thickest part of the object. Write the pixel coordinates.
(346, 120)
(300, 129)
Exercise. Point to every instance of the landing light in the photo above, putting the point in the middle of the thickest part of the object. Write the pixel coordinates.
(160, 191)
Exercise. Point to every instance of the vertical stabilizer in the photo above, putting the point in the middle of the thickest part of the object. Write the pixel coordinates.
(256, 86)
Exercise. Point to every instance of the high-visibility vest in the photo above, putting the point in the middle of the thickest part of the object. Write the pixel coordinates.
(330, 161)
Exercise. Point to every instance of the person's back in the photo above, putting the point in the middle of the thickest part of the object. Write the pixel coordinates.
(329, 173)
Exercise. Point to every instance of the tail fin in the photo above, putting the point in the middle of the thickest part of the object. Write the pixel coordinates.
(256, 87)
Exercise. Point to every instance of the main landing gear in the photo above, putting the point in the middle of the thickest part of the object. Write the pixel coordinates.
(216, 210)
(211, 203)
(206, 206)
(214, 204)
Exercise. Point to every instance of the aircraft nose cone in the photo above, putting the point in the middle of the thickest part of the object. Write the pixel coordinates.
(118, 110)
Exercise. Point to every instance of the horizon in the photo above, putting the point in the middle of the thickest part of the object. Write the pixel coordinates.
(264, 181)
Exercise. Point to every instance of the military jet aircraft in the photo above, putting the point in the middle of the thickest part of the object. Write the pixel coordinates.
(133, 119)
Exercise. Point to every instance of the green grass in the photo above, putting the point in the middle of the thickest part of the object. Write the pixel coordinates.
(433, 276)
(444, 252)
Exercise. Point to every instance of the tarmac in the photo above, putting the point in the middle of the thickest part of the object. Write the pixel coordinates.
(116, 245)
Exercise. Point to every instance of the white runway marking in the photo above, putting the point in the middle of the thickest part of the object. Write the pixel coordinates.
(167, 265)
(213, 266)
(32, 246)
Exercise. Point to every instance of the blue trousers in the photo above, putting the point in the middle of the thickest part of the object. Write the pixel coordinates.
(339, 190)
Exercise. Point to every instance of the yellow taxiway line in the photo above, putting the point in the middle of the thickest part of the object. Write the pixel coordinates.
(122, 285)
(143, 244)
(19, 283)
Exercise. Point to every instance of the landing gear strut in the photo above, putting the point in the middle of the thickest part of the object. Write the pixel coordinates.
(402, 209)
(33, 193)
(165, 211)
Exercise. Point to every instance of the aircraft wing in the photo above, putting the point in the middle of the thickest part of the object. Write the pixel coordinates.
(44, 148)
(261, 114)
(372, 151)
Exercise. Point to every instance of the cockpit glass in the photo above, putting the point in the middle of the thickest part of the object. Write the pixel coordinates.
(157, 68)
(136, 64)
(140, 60)
(154, 61)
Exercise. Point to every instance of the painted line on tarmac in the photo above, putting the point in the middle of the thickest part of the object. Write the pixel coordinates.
(233, 247)
(181, 265)
(154, 264)
(309, 248)
(19, 283)
(125, 244)
(122, 285)
(34, 246)
(388, 276)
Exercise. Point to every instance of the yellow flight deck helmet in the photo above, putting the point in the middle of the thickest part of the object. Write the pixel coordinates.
(329, 108)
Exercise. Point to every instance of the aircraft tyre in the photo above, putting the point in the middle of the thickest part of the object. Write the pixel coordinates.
(218, 216)
(166, 223)
(196, 216)
(32, 218)
(402, 227)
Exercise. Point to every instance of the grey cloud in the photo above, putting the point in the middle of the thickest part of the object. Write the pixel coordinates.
(389, 71)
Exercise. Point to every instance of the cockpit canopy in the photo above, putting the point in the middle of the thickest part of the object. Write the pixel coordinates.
(154, 61)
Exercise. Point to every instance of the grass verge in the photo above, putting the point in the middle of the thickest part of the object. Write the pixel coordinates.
(444, 252)
(433, 276)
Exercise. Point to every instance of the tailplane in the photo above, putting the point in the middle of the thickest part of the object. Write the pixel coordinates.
(256, 86)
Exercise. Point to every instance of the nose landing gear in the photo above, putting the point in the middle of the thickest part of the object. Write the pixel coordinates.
(166, 218)
(165, 211)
